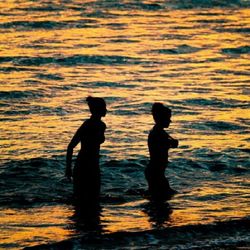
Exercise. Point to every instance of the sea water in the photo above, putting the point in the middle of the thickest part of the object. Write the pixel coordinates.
(191, 55)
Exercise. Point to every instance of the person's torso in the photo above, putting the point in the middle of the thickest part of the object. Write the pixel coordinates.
(158, 145)
(92, 135)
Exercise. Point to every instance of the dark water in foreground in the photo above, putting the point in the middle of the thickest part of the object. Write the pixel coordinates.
(191, 55)
(37, 199)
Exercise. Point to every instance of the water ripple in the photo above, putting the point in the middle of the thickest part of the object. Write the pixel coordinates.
(56, 77)
(19, 94)
(109, 84)
(72, 60)
(47, 25)
(214, 102)
(239, 50)
(182, 49)
(193, 4)
(34, 109)
(234, 30)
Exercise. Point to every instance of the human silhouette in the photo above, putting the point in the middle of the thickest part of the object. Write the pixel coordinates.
(86, 172)
(158, 212)
(159, 143)
(87, 218)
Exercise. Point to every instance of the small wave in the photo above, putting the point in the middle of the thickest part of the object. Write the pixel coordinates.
(214, 102)
(120, 40)
(32, 181)
(46, 25)
(11, 119)
(213, 197)
(183, 49)
(132, 5)
(193, 4)
(34, 109)
(109, 84)
(176, 36)
(137, 108)
(234, 30)
(72, 60)
(31, 25)
(116, 26)
(45, 8)
(233, 72)
(231, 161)
(147, 6)
(12, 69)
(221, 126)
(4, 59)
(247, 150)
(217, 127)
(56, 77)
(217, 21)
(20, 94)
(101, 14)
(172, 4)
(41, 180)
(239, 50)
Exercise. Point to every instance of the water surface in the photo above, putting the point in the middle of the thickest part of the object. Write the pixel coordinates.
(192, 55)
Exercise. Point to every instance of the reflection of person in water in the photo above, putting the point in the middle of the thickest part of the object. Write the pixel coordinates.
(87, 218)
(159, 213)
(86, 173)
(159, 142)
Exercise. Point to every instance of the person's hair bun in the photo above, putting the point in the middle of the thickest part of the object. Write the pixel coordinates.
(159, 110)
(96, 105)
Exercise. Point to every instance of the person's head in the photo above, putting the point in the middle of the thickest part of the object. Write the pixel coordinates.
(97, 106)
(161, 114)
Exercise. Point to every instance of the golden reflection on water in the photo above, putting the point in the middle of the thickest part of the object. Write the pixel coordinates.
(146, 30)
(34, 226)
(120, 219)
(158, 76)
(52, 223)
(133, 216)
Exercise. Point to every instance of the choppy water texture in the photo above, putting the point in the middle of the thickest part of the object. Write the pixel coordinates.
(191, 55)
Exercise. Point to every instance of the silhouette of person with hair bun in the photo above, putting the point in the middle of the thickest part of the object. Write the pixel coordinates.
(86, 172)
(159, 143)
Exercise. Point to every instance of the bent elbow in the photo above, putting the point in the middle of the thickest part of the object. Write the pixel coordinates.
(175, 143)
(103, 139)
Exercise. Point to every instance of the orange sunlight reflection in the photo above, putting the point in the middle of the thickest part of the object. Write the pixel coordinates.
(41, 224)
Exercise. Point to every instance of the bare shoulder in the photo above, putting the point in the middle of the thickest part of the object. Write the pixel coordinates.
(84, 124)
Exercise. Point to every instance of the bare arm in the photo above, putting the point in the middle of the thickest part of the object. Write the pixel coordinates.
(73, 143)
(174, 143)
